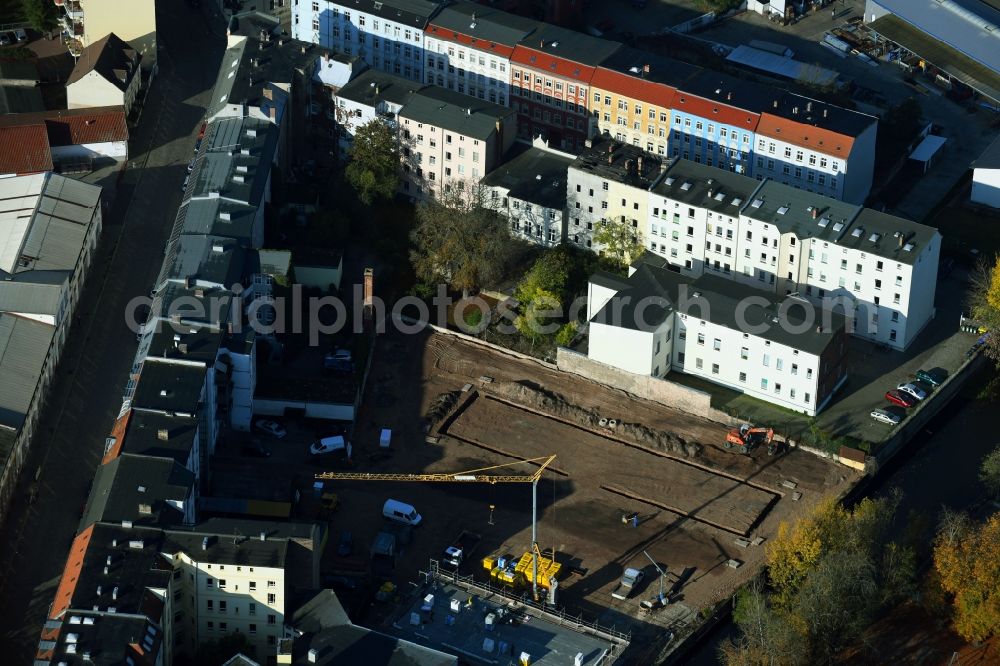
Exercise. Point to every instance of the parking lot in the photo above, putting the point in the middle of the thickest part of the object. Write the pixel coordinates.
(691, 509)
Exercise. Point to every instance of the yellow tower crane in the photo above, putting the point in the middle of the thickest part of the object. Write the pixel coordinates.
(470, 476)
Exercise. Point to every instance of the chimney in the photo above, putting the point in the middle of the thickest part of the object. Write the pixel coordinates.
(611, 158)
(815, 213)
(376, 90)
(776, 104)
(541, 43)
(163, 434)
(900, 239)
(824, 113)
(274, 113)
(809, 107)
(729, 96)
(263, 536)
(795, 110)
(468, 111)
(819, 329)
(182, 348)
(268, 94)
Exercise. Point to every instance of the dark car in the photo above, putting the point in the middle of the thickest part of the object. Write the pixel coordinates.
(900, 398)
(934, 376)
(346, 544)
(255, 449)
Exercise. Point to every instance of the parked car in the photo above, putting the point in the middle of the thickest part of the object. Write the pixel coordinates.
(885, 416)
(339, 361)
(6, 38)
(255, 449)
(346, 544)
(329, 445)
(934, 377)
(901, 399)
(184, 186)
(272, 428)
(191, 165)
(20, 35)
(913, 390)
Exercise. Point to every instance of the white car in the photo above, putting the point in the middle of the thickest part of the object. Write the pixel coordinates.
(272, 428)
(329, 445)
(912, 390)
(20, 35)
(885, 416)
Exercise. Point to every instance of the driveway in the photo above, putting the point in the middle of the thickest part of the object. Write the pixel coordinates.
(86, 396)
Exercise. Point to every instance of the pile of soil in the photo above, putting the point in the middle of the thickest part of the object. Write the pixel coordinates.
(440, 407)
(540, 399)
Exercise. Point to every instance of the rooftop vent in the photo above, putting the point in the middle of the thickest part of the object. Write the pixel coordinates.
(238, 178)
(136, 544)
(824, 221)
(686, 186)
(225, 216)
(908, 247)
(252, 133)
(874, 238)
(669, 181)
(163, 434)
(757, 203)
(782, 210)
(88, 620)
(736, 201)
(837, 226)
(719, 196)
(218, 247)
(857, 232)
(141, 489)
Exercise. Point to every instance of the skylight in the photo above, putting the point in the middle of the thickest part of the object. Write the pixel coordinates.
(782, 210)
(874, 238)
(686, 186)
(837, 226)
(908, 247)
(736, 201)
(858, 232)
(757, 203)
(824, 221)
(669, 180)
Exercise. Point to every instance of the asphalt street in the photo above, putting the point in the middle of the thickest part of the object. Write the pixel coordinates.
(87, 392)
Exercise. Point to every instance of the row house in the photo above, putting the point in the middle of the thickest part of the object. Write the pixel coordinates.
(817, 147)
(782, 239)
(551, 71)
(448, 139)
(608, 182)
(657, 321)
(369, 96)
(632, 96)
(468, 49)
(529, 188)
(387, 34)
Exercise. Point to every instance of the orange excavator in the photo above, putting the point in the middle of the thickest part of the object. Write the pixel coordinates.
(746, 438)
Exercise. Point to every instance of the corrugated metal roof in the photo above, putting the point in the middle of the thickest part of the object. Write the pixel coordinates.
(31, 297)
(24, 345)
(782, 66)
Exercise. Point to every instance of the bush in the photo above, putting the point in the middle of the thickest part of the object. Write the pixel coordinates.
(565, 334)
(472, 317)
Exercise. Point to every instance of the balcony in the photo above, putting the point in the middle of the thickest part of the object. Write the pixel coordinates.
(74, 10)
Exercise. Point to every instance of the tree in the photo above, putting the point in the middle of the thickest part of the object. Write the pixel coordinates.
(989, 472)
(983, 301)
(460, 240)
(373, 167)
(766, 638)
(42, 15)
(550, 274)
(620, 241)
(967, 560)
(720, 6)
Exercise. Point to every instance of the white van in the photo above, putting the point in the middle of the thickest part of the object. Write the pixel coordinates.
(401, 513)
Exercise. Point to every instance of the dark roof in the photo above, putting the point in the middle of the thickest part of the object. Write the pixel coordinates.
(235, 160)
(990, 158)
(227, 547)
(657, 289)
(195, 307)
(105, 640)
(970, 72)
(220, 217)
(632, 63)
(718, 190)
(624, 164)
(490, 27)
(455, 112)
(373, 86)
(321, 257)
(161, 435)
(110, 57)
(809, 215)
(557, 42)
(20, 99)
(820, 114)
(324, 626)
(729, 90)
(138, 488)
(207, 259)
(24, 149)
(409, 12)
(186, 342)
(165, 386)
(534, 175)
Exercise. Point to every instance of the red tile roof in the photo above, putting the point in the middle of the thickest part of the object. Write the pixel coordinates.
(552, 65)
(710, 110)
(67, 127)
(634, 87)
(117, 434)
(805, 135)
(24, 150)
(71, 573)
(483, 45)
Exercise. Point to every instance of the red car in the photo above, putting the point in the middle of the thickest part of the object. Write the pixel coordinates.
(201, 132)
(899, 398)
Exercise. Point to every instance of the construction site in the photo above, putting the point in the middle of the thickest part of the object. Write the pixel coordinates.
(519, 467)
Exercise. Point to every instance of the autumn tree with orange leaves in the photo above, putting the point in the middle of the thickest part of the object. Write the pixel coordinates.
(967, 561)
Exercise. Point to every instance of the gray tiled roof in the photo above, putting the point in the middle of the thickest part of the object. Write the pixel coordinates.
(483, 23)
(169, 387)
(24, 345)
(143, 435)
(455, 112)
(534, 175)
(409, 12)
(208, 259)
(718, 190)
(373, 86)
(138, 488)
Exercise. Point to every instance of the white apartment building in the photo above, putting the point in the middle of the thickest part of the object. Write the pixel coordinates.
(609, 181)
(86, 22)
(387, 34)
(449, 139)
(657, 321)
(370, 95)
(468, 48)
(817, 147)
(529, 188)
(986, 176)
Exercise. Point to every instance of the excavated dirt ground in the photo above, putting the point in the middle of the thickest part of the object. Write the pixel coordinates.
(693, 497)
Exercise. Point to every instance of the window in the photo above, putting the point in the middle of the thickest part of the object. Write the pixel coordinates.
(744, 353)
(209, 583)
(209, 604)
(222, 583)
(795, 368)
(270, 598)
(767, 360)
(763, 384)
(809, 373)
(778, 364)
(698, 363)
(777, 388)
(253, 629)
(253, 609)
(717, 344)
(272, 619)
(715, 368)
(222, 607)
(701, 338)
(743, 377)
(271, 584)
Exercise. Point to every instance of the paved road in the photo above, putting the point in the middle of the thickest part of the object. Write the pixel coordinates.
(86, 395)
(941, 469)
